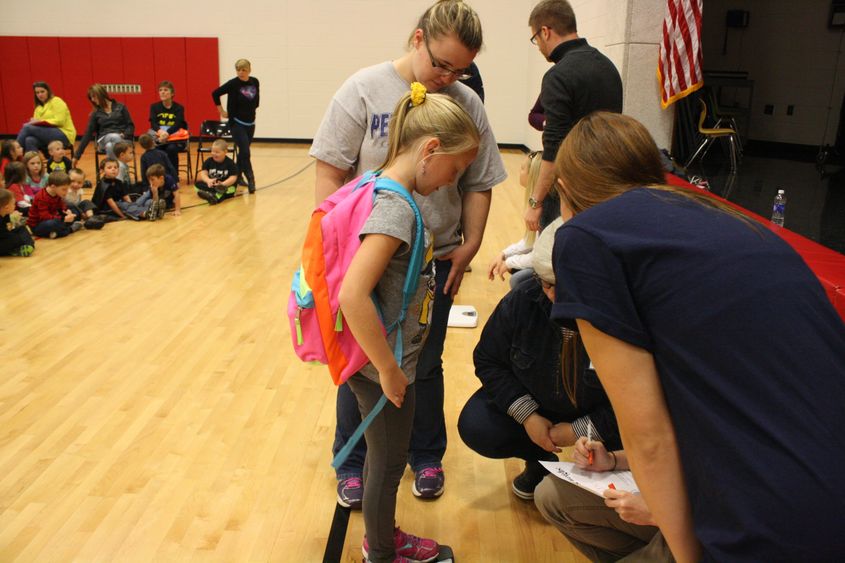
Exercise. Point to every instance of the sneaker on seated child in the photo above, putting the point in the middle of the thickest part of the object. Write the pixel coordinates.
(162, 194)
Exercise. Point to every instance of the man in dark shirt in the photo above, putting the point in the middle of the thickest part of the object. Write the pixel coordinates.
(581, 81)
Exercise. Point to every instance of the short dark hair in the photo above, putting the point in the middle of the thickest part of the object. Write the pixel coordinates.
(557, 15)
(15, 173)
(167, 84)
(121, 147)
(58, 178)
(6, 196)
(106, 161)
(77, 171)
(156, 170)
(146, 141)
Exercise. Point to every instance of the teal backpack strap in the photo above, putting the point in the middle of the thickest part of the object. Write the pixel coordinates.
(409, 289)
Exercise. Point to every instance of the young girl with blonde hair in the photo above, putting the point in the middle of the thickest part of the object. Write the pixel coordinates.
(353, 137)
(432, 141)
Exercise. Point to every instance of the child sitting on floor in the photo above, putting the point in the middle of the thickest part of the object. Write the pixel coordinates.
(15, 239)
(218, 178)
(111, 197)
(49, 217)
(58, 160)
(14, 177)
(75, 198)
(162, 194)
(124, 154)
(154, 156)
(36, 178)
(10, 151)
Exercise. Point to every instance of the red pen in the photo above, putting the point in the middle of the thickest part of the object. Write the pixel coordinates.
(590, 439)
(611, 486)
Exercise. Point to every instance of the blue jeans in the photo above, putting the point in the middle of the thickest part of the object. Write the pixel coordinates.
(45, 228)
(428, 437)
(488, 431)
(242, 135)
(37, 137)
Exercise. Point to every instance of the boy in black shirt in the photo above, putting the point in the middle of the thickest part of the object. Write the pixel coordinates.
(58, 160)
(219, 175)
(15, 239)
(111, 197)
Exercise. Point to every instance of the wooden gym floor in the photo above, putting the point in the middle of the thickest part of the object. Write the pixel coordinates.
(152, 408)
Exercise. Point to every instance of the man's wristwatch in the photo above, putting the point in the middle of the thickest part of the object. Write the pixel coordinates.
(533, 203)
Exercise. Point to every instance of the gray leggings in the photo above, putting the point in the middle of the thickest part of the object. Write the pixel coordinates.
(387, 438)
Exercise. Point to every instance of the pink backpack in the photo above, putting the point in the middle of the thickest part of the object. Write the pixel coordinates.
(319, 332)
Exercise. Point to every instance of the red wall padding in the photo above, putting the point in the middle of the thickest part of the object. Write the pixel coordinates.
(71, 64)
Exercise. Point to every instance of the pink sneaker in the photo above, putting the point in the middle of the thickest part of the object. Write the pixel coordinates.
(409, 547)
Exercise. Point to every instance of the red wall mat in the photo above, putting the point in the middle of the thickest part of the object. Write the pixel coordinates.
(171, 64)
(2, 113)
(71, 64)
(17, 83)
(78, 75)
(203, 76)
(138, 69)
(45, 62)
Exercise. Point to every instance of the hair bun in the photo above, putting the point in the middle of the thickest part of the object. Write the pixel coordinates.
(417, 93)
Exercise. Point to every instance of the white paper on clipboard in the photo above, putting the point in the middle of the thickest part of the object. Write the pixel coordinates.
(594, 481)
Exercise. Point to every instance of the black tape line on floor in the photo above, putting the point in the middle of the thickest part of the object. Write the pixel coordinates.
(337, 534)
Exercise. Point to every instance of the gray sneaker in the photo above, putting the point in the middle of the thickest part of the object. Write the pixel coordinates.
(75, 226)
(162, 208)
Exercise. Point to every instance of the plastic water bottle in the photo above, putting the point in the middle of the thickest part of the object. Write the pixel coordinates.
(779, 208)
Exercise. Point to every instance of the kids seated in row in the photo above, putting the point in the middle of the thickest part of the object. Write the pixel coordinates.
(15, 239)
(218, 179)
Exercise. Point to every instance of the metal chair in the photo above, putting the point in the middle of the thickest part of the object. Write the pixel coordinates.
(710, 134)
(210, 131)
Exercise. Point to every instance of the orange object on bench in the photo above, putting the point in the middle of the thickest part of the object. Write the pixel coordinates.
(827, 264)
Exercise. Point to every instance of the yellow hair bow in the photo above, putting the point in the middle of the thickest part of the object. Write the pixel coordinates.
(417, 93)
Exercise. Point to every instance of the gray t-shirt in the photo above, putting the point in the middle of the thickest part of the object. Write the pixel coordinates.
(353, 135)
(393, 216)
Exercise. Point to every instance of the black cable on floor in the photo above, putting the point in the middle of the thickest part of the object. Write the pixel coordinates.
(276, 183)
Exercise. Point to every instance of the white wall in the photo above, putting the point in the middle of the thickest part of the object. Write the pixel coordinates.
(791, 55)
(303, 50)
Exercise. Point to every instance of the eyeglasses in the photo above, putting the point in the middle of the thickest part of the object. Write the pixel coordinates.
(443, 69)
(533, 39)
(541, 281)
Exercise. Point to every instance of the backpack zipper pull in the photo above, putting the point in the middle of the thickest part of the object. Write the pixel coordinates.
(298, 327)
(338, 325)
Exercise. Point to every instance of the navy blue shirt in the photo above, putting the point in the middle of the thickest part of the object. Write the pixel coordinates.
(750, 355)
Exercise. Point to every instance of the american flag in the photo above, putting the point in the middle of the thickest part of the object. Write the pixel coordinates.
(679, 68)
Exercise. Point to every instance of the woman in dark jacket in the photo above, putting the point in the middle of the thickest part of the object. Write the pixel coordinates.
(526, 407)
(109, 123)
(242, 99)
